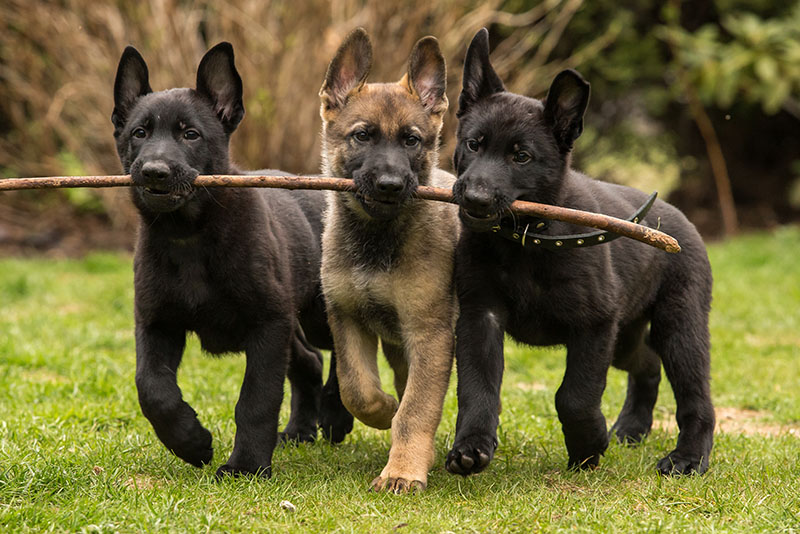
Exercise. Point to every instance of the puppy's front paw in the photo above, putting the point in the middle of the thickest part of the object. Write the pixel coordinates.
(192, 445)
(471, 455)
(335, 421)
(586, 443)
(675, 464)
(397, 485)
(588, 462)
(229, 470)
(630, 430)
(294, 436)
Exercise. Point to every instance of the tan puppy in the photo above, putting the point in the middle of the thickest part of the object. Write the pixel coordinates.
(387, 259)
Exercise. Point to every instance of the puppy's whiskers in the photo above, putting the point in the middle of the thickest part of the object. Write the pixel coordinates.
(507, 211)
(211, 195)
(154, 220)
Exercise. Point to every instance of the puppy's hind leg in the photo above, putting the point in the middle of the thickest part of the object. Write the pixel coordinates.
(634, 355)
(679, 333)
(359, 381)
(396, 356)
(334, 419)
(260, 399)
(305, 376)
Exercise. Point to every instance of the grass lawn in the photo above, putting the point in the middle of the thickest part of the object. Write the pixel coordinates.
(77, 455)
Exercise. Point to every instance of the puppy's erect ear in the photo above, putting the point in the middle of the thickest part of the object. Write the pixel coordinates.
(220, 83)
(131, 83)
(347, 72)
(480, 80)
(427, 75)
(564, 107)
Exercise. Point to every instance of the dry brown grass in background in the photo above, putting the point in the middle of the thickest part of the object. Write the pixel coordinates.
(58, 60)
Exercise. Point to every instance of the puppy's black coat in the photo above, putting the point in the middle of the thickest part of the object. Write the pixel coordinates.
(621, 304)
(239, 267)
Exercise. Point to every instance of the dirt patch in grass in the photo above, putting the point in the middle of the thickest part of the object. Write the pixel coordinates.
(531, 386)
(772, 340)
(142, 482)
(740, 421)
(44, 376)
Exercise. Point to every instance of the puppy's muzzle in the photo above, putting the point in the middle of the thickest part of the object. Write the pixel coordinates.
(384, 198)
(163, 187)
(478, 209)
(478, 202)
(389, 186)
(155, 175)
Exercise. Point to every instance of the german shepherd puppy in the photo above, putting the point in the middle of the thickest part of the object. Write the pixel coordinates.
(619, 303)
(387, 260)
(239, 267)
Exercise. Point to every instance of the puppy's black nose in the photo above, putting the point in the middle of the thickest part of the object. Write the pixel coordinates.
(389, 184)
(477, 200)
(155, 171)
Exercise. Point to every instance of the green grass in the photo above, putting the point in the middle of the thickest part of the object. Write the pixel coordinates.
(77, 455)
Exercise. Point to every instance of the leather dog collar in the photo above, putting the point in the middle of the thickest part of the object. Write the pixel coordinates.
(523, 235)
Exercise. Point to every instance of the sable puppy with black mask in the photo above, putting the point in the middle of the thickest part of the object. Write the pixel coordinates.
(387, 258)
(610, 301)
(238, 267)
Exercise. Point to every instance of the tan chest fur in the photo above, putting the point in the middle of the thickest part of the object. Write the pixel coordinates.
(417, 287)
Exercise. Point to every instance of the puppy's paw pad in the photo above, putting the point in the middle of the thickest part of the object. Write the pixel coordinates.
(587, 464)
(198, 458)
(630, 432)
(295, 437)
(336, 424)
(465, 463)
(675, 464)
(228, 470)
(398, 485)
(194, 448)
(470, 456)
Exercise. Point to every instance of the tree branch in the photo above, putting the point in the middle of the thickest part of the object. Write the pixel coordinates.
(638, 232)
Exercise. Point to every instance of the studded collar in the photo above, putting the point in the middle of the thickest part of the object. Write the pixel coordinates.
(529, 233)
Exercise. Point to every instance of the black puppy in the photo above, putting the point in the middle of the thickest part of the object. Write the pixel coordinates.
(239, 267)
(619, 303)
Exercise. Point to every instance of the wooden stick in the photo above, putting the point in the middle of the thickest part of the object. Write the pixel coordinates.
(635, 231)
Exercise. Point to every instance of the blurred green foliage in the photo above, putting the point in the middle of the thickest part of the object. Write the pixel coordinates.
(84, 200)
(646, 161)
(745, 57)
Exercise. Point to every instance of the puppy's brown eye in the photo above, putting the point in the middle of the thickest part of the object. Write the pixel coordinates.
(191, 135)
(139, 133)
(412, 141)
(473, 145)
(361, 136)
(522, 157)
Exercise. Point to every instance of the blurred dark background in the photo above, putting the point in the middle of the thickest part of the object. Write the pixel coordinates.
(699, 100)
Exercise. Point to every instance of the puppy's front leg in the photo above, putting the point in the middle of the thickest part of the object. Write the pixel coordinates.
(359, 381)
(260, 399)
(578, 398)
(430, 353)
(159, 349)
(479, 366)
